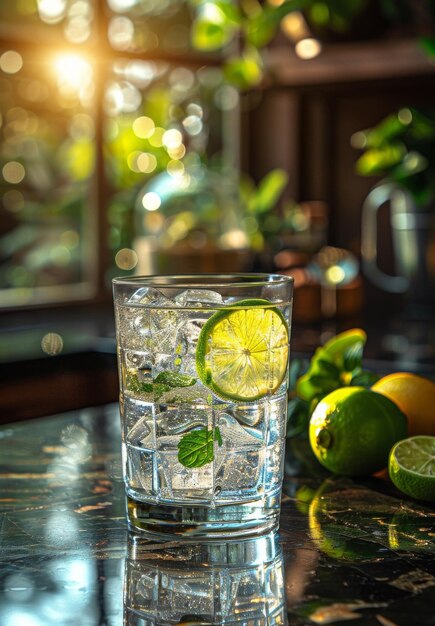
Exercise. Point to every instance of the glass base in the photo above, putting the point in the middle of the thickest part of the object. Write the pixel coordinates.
(229, 521)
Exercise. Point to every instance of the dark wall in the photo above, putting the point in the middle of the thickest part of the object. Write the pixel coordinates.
(307, 131)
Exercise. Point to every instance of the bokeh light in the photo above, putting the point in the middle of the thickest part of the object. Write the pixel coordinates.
(13, 172)
(146, 162)
(192, 124)
(13, 200)
(308, 48)
(11, 62)
(52, 11)
(119, 6)
(52, 344)
(172, 139)
(143, 127)
(178, 152)
(405, 116)
(121, 32)
(295, 27)
(126, 259)
(74, 73)
(151, 201)
(122, 97)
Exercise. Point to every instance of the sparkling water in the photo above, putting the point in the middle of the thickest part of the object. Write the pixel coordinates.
(158, 335)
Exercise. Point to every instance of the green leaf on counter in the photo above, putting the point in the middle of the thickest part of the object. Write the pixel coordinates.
(332, 365)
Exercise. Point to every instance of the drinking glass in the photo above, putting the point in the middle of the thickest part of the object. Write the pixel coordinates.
(203, 363)
(226, 582)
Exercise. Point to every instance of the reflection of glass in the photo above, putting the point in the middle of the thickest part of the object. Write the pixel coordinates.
(213, 583)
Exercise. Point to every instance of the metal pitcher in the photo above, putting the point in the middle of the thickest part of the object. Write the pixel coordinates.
(413, 234)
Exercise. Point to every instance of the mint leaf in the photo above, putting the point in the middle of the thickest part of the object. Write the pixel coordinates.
(174, 379)
(164, 381)
(160, 389)
(136, 386)
(195, 448)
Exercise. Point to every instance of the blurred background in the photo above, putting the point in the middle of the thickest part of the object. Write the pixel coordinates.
(161, 136)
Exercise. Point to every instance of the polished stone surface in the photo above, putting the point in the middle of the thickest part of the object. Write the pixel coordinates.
(346, 551)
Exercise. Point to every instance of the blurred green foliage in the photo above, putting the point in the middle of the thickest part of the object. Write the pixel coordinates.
(242, 30)
(402, 148)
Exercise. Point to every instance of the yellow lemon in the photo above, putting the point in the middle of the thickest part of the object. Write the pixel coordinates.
(415, 396)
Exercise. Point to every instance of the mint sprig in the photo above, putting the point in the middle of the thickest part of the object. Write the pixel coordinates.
(136, 386)
(195, 448)
(164, 381)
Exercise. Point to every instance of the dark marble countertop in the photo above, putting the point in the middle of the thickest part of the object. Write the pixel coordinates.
(346, 551)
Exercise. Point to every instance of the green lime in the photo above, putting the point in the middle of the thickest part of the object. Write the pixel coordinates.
(412, 467)
(242, 351)
(353, 429)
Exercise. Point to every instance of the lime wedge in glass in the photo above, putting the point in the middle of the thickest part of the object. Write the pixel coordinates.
(242, 351)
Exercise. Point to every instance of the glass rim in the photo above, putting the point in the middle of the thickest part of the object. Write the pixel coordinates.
(219, 280)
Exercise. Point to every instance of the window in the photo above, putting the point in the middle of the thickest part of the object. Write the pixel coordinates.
(102, 104)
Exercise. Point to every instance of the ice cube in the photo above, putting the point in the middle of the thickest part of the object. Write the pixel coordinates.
(134, 410)
(179, 481)
(148, 296)
(236, 436)
(139, 469)
(241, 470)
(164, 325)
(198, 298)
(178, 420)
(142, 433)
(249, 414)
(133, 327)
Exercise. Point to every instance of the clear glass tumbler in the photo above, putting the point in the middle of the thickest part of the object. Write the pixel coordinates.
(203, 363)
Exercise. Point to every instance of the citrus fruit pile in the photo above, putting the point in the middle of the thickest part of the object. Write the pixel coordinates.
(358, 425)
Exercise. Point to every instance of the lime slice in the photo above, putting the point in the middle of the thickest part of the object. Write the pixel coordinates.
(242, 351)
(412, 467)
